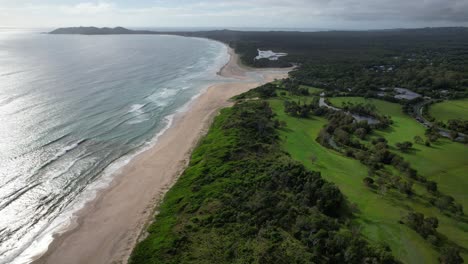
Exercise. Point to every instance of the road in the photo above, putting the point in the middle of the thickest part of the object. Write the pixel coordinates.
(418, 115)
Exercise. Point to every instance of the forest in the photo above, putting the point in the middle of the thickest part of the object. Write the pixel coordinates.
(430, 61)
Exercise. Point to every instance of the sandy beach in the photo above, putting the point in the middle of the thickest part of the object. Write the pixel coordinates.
(108, 227)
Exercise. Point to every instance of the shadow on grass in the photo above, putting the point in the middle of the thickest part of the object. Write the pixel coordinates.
(389, 129)
(286, 129)
(445, 241)
(411, 151)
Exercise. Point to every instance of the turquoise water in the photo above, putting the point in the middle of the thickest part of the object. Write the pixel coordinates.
(73, 109)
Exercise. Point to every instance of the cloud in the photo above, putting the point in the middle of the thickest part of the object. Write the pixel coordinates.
(239, 13)
(89, 8)
(421, 10)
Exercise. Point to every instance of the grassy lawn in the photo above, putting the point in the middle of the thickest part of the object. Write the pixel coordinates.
(312, 90)
(444, 111)
(445, 162)
(377, 214)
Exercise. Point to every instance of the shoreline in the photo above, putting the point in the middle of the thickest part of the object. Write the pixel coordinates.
(107, 228)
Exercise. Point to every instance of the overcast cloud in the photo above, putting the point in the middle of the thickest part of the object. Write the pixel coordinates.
(331, 14)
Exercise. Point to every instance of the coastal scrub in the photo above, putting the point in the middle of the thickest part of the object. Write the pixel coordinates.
(244, 200)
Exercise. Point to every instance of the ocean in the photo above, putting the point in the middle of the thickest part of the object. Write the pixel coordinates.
(73, 110)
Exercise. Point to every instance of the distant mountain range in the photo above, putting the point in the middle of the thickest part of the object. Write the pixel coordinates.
(99, 31)
(125, 31)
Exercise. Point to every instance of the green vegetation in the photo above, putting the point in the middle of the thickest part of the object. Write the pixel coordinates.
(426, 227)
(430, 61)
(451, 115)
(312, 90)
(379, 211)
(404, 146)
(254, 192)
(444, 162)
(377, 218)
(299, 183)
(447, 110)
(243, 200)
(361, 109)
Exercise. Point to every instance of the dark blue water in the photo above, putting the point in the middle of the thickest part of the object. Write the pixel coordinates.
(70, 106)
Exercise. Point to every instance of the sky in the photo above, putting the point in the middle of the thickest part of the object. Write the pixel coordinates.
(314, 14)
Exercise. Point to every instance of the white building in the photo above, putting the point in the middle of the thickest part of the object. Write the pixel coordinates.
(269, 54)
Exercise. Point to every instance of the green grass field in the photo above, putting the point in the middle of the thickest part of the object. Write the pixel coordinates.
(377, 214)
(312, 90)
(443, 162)
(444, 111)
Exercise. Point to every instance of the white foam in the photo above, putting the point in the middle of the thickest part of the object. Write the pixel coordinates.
(137, 110)
(137, 121)
(65, 150)
(161, 97)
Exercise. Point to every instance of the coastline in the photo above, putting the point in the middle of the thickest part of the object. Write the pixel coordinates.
(108, 227)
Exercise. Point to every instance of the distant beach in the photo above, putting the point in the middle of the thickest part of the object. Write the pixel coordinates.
(108, 227)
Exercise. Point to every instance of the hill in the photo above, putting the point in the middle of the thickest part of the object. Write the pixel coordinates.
(97, 31)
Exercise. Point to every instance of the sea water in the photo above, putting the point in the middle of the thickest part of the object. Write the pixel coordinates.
(73, 110)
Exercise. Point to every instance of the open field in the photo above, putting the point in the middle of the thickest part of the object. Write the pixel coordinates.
(378, 215)
(312, 90)
(444, 111)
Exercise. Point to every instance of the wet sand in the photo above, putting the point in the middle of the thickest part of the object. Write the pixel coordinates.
(107, 228)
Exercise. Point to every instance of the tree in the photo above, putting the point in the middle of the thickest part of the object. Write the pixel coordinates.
(418, 140)
(368, 181)
(361, 133)
(444, 202)
(453, 135)
(342, 136)
(330, 199)
(427, 143)
(412, 173)
(433, 240)
(433, 222)
(405, 187)
(404, 146)
(266, 91)
(426, 227)
(431, 186)
(432, 134)
(450, 255)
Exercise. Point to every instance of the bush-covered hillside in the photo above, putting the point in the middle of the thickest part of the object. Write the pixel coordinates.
(243, 200)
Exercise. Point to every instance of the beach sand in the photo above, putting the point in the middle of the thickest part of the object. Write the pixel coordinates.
(107, 228)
